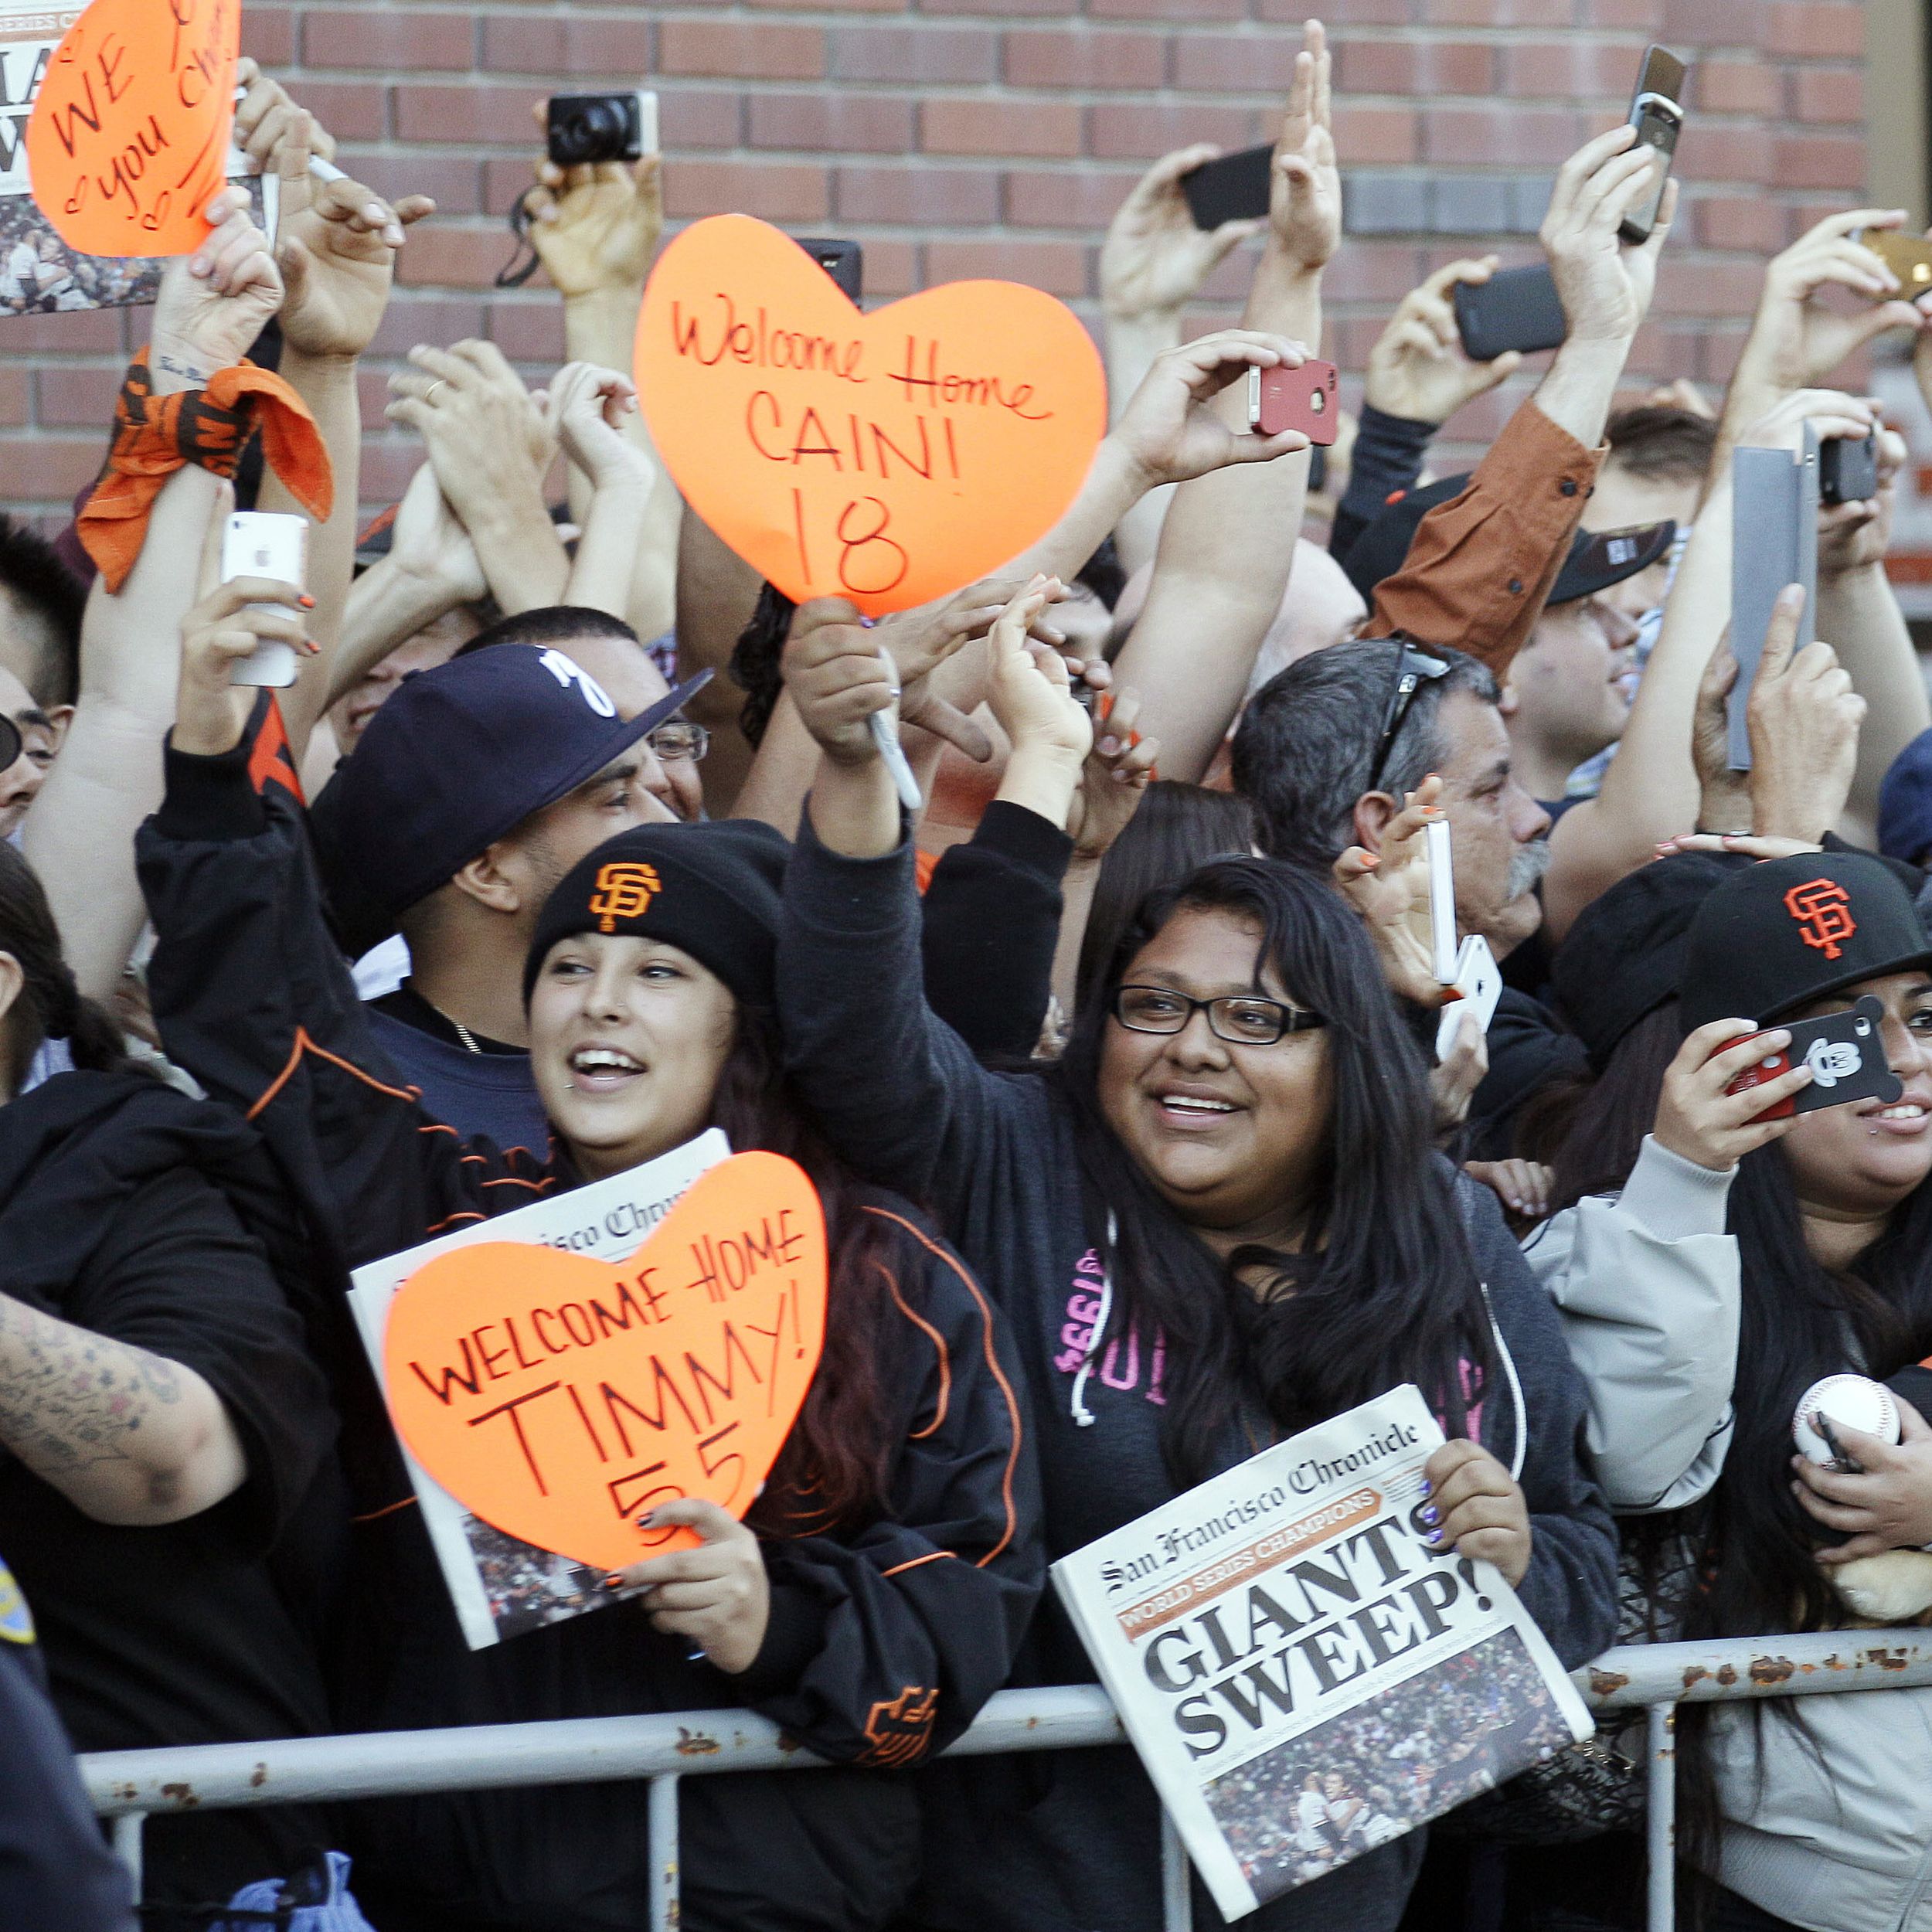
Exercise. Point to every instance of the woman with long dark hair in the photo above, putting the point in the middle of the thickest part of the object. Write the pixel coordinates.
(1811, 1812)
(873, 1596)
(1218, 1220)
(171, 1504)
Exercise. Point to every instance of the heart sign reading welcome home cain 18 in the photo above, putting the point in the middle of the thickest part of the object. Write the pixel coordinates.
(891, 458)
(560, 1398)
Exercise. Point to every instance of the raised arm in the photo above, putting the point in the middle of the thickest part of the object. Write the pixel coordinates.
(1153, 263)
(595, 229)
(1482, 564)
(589, 410)
(79, 835)
(1650, 792)
(1226, 544)
(336, 244)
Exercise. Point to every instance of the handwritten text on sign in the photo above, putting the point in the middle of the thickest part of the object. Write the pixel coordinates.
(890, 458)
(128, 139)
(560, 1398)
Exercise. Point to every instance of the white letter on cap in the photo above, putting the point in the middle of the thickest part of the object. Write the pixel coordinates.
(567, 674)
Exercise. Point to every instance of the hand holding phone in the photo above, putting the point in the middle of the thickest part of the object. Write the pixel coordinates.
(1479, 981)
(1774, 543)
(1517, 308)
(1302, 399)
(1656, 112)
(1235, 188)
(263, 543)
(1844, 1054)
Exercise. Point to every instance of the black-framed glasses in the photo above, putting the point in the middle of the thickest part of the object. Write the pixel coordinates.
(1242, 1019)
(680, 739)
(1416, 668)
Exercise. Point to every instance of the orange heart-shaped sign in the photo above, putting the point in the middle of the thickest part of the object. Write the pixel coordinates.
(128, 139)
(560, 1398)
(891, 458)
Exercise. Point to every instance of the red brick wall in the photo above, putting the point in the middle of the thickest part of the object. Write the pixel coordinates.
(959, 138)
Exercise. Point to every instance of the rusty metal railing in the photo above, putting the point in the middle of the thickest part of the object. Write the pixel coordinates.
(127, 1787)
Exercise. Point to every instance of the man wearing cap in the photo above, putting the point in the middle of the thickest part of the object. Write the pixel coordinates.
(474, 789)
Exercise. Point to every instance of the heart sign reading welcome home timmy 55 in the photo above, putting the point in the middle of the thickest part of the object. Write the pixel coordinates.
(890, 458)
(560, 1398)
(128, 139)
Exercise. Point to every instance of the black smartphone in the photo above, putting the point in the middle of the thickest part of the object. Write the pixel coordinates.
(1233, 189)
(1519, 309)
(843, 261)
(1847, 469)
(1657, 112)
(1845, 1053)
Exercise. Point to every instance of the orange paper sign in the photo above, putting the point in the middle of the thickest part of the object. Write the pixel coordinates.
(890, 458)
(560, 1398)
(128, 139)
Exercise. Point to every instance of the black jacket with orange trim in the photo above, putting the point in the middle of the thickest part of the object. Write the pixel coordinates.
(882, 1645)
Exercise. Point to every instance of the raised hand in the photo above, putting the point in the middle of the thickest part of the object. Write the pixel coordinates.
(1028, 689)
(1418, 369)
(262, 117)
(213, 303)
(336, 244)
(584, 410)
(1698, 1120)
(1804, 719)
(1796, 340)
(837, 677)
(595, 227)
(1854, 536)
(1390, 891)
(1167, 430)
(428, 543)
(1605, 284)
(1304, 199)
(1114, 778)
(228, 621)
(1154, 260)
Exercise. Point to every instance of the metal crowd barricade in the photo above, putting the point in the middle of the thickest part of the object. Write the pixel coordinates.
(127, 1787)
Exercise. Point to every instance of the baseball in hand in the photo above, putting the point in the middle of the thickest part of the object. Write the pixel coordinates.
(1851, 1402)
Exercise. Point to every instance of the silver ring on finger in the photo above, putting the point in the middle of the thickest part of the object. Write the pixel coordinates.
(429, 395)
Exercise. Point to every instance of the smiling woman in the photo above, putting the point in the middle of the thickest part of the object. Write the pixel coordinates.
(875, 1593)
(1218, 1220)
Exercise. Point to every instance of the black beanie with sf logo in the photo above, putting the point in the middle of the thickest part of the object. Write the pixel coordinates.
(1775, 937)
(712, 890)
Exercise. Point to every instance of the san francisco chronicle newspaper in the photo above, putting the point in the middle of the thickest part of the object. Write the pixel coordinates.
(501, 1586)
(1303, 1677)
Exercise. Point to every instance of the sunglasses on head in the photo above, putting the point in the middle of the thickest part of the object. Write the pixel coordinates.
(1415, 668)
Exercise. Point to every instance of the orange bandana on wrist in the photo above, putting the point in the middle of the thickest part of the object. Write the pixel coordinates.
(155, 435)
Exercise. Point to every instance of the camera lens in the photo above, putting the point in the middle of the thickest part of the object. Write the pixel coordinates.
(594, 130)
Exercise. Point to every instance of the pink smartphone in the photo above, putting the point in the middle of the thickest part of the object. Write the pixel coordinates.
(1300, 399)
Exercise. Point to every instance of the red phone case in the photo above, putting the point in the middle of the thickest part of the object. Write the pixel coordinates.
(1302, 399)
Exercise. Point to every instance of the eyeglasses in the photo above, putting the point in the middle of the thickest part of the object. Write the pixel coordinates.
(1242, 1019)
(678, 740)
(1416, 668)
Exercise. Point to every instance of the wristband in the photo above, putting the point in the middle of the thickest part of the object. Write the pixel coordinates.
(155, 435)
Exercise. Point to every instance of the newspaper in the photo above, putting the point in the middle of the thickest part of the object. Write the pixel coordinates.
(1303, 1677)
(39, 274)
(501, 1587)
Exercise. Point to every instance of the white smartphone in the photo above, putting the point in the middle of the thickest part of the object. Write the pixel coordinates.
(266, 543)
(1479, 980)
(1442, 901)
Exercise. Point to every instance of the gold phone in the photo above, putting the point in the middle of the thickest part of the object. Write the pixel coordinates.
(1908, 256)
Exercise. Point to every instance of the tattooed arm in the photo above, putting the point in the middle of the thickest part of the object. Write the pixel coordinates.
(128, 1437)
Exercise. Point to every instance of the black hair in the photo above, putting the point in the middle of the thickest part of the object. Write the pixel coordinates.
(31, 569)
(51, 1005)
(757, 661)
(1102, 575)
(551, 624)
(1305, 749)
(1383, 1288)
(1176, 828)
(1661, 444)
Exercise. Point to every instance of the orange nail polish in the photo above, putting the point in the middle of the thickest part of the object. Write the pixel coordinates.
(308, 602)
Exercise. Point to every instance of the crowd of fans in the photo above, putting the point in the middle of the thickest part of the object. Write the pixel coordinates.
(1120, 1092)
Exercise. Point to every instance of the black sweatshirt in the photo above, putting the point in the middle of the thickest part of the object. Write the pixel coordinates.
(883, 1645)
(1077, 1834)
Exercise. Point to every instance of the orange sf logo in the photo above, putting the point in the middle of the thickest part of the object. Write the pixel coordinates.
(1822, 909)
(625, 891)
(898, 1730)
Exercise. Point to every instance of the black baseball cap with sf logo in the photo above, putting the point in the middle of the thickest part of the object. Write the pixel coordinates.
(1774, 937)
